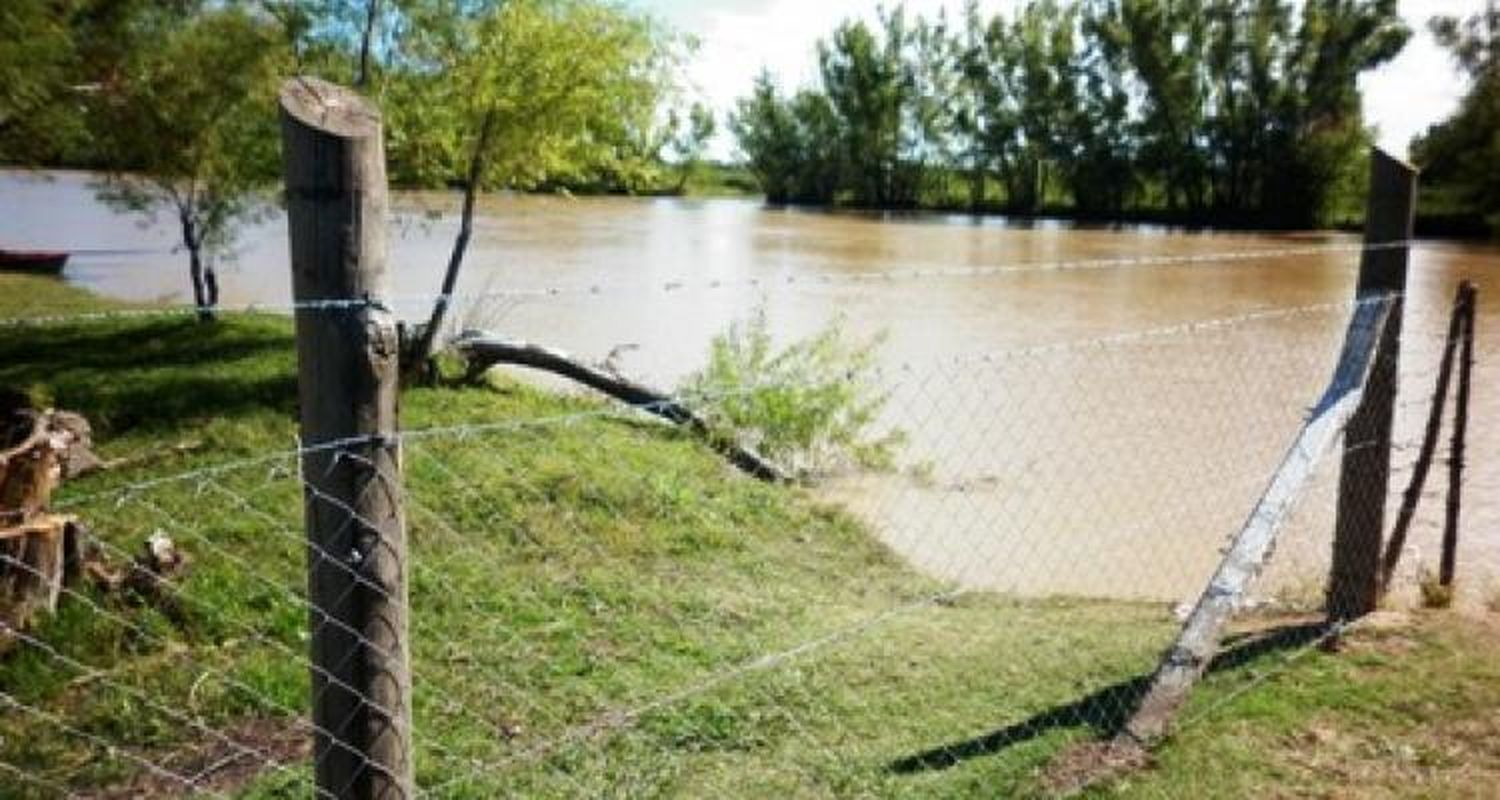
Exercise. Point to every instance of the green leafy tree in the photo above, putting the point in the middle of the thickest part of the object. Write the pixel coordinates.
(793, 145)
(970, 87)
(521, 94)
(1101, 173)
(186, 127)
(55, 56)
(767, 132)
(1462, 153)
(1313, 166)
(37, 66)
(1165, 42)
(871, 86)
(1039, 52)
(688, 140)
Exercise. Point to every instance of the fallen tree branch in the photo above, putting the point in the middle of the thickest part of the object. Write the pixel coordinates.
(485, 351)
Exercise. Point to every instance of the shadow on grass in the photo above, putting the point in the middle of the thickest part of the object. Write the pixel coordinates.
(153, 373)
(1108, 709)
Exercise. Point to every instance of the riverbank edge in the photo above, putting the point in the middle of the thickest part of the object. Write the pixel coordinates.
(1271, 722)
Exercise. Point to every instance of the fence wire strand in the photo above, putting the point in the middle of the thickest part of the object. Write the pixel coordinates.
(600, 607)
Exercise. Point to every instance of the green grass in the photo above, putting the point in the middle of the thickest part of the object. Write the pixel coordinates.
(593, 597)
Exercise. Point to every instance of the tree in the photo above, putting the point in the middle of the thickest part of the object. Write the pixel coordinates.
(55, 55)
(37, 63)
(794, 145)
(871, 87)
(185, 126)
(688, 140)
(1101, 174)
(1320, 137)
(971, 83)
(1165, 42)
(1039, 61)
(766, 129)
(1460, 154)
(518, 94)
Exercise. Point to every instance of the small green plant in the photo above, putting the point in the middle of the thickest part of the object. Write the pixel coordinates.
(812, 406)
(1434, 593)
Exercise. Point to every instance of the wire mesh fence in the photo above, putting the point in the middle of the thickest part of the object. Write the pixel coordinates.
(600, 605)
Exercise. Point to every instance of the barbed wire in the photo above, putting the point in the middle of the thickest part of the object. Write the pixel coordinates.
(1250, 255)
(1121, 469)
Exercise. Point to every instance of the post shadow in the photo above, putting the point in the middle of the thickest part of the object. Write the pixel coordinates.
(1107, 710)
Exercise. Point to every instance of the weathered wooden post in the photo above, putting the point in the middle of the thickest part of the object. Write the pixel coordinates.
(347, 385)
(1354, 580)
(1467, 307)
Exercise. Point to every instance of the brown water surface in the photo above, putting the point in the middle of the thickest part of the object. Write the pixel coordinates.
(1104, 470)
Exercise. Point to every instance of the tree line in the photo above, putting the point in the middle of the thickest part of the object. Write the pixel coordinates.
(1242, 111)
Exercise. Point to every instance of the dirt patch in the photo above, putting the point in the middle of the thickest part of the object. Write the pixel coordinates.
(216, 766)
(1459, 759)
(1083, 765)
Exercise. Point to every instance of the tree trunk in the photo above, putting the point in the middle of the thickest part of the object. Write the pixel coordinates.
(205, 282)
(976, 188)
(372, 17)
(427, 341)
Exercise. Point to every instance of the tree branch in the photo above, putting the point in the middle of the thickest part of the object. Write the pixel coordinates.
(484, 351)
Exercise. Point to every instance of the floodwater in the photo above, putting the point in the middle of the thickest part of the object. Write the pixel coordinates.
(1113, 469)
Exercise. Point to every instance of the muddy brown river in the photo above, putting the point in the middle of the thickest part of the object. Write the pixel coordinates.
(1039, 460)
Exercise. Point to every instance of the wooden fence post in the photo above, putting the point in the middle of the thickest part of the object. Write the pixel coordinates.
(1468, 306)
(1354, 580)
(347, 386)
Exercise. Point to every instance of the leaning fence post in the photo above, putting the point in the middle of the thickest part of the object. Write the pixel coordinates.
(1456, 454)
(1364, 482)
(347, 386)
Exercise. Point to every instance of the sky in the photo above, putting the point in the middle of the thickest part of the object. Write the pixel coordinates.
(739, 37)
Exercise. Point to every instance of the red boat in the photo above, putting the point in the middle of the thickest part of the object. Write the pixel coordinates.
(34, 261)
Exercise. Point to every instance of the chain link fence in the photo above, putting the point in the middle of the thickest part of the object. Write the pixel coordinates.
(947, 602)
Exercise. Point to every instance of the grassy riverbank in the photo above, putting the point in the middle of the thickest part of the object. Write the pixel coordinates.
(601, 607)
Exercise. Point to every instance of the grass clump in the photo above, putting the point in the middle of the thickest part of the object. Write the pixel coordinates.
(1435, 594)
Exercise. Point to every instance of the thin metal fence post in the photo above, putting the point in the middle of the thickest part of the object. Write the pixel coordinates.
(1456, 453)
(1364, 482)
(1412, 497)
(347, 387)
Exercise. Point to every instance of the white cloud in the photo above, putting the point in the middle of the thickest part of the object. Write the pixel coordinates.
(1421, 86)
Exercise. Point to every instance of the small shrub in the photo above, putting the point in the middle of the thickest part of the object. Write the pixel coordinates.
(811, 407)
(1434, 593)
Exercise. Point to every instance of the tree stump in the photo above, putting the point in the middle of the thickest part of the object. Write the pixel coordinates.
(39, 550)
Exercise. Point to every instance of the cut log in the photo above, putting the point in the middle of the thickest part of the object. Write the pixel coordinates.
(1196, 645)
(39, 551)
(33, 567)
(485, 351)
